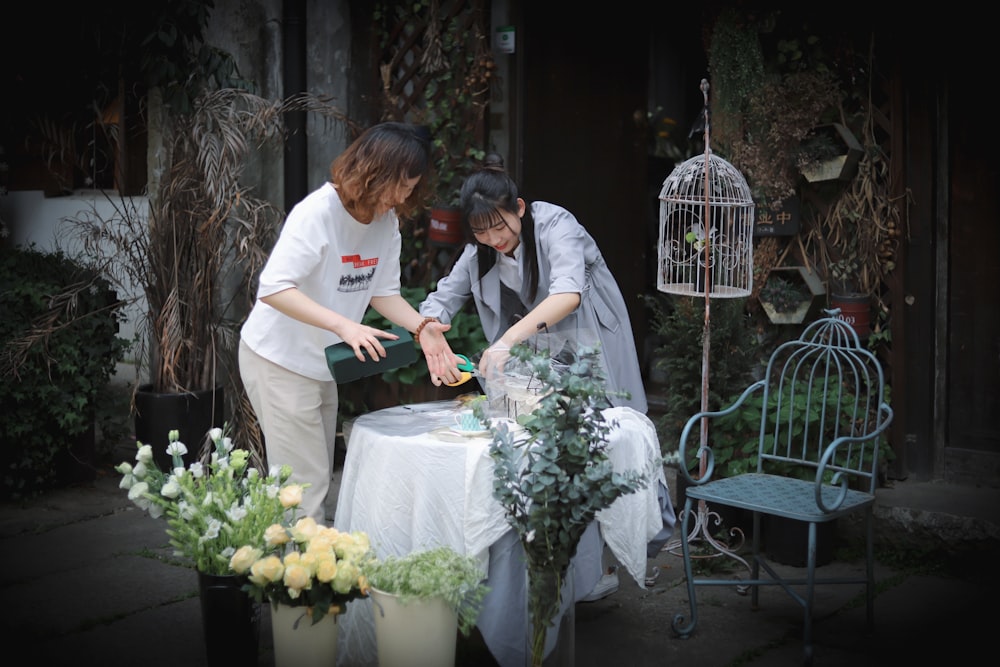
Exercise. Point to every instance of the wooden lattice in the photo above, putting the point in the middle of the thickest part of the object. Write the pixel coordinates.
(435, 56)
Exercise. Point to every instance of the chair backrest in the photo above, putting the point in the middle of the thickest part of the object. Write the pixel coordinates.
(822, 386)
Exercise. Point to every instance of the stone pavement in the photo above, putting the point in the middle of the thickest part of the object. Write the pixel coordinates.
(86, 579)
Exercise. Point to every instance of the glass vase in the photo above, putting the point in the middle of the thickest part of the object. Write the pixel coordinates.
(550, 628)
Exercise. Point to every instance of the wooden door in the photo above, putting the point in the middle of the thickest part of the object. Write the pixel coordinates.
(972, 452)
(583, 143)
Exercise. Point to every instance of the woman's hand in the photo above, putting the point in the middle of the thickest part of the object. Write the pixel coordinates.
(442, 364)
(494, 359)
(364, 339)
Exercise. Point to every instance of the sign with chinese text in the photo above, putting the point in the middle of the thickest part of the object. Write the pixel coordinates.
(782, 221)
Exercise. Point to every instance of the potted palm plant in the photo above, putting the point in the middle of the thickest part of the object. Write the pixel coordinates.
(191, 258)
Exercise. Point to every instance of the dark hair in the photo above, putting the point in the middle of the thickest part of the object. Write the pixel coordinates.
(485, 194)
(380, 159)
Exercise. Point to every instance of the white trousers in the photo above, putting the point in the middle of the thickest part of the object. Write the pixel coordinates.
(298, 416)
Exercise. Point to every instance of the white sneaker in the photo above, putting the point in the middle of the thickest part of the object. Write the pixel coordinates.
(606, 585)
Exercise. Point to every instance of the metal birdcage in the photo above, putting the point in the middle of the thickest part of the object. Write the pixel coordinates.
(706, 249)
(686, 241)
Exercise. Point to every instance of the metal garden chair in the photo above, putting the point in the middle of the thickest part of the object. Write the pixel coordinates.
(822, 416)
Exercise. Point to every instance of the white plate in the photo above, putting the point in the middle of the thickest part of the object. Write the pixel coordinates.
(468, 434)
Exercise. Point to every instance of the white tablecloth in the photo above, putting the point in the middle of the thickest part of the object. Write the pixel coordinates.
(412, 484)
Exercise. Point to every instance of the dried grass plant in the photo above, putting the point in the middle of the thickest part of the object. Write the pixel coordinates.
(195, 258)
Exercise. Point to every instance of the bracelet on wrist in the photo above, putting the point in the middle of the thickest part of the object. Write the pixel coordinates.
(420, 327)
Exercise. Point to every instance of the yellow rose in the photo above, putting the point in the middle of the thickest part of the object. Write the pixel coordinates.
(291, 496)
(321, 542)
(275, 535)
(346, 578)
(297, 578)
(310, 561)
(267, 570)
(326, 568)
(304, 529)
(244, 558)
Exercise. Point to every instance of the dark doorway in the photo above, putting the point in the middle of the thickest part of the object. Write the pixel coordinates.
(972, 454)
(586, 144)
(583, 143)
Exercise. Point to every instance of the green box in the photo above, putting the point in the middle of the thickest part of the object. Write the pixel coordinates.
(345, 367)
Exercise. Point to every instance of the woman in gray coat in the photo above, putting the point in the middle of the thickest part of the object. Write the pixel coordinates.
(535, 268)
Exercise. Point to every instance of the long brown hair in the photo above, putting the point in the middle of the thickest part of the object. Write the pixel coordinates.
(380, 159)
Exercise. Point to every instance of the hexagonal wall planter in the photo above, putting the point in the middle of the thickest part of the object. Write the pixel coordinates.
(841, 167)
(806, 282)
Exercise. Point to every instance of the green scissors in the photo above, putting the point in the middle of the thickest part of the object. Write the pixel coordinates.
(468, 371)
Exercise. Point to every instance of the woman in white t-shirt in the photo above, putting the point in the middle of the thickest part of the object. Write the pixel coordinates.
(337, 254)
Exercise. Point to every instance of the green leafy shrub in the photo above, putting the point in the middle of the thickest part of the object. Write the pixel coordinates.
(59, 328)
(734, 356)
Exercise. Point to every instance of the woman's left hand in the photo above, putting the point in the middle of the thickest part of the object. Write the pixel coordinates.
(441, 361)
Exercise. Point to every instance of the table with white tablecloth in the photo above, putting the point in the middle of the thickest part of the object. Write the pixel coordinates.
(411, 484)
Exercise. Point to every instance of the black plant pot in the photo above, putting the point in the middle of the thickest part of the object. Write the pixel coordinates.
(786, 540)
(230, 620)
(193, 414)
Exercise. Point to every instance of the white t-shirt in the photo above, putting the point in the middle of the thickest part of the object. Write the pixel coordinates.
(333, 259)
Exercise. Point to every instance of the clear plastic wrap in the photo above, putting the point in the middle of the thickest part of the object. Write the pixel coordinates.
(516, 390)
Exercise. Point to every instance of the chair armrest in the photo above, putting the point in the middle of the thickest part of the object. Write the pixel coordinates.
(708, 415)
(839, 479)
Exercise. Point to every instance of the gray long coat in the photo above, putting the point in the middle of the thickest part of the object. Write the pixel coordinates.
(568, 261)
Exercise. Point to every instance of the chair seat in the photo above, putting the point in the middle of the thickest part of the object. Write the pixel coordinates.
(778, 495)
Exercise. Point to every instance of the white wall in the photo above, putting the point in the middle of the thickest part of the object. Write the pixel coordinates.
(32, 219)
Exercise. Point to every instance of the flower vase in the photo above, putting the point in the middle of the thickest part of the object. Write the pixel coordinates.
(230, 620)
(298, 642)
(550, 631)
(420, 632)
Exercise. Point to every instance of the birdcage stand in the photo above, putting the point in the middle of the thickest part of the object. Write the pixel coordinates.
(706, 249)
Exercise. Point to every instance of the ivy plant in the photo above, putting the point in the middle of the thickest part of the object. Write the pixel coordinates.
(59, 331)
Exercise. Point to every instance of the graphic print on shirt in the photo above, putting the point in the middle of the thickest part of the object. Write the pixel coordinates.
(357, 273)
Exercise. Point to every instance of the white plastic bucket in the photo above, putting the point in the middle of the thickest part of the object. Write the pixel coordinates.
(422, 633)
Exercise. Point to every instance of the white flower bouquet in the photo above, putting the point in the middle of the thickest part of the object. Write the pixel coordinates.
(211, 508)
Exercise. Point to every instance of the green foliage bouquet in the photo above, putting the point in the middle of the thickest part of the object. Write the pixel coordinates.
(439, 572)
(555, 476)
(210, 508)
(306, 564)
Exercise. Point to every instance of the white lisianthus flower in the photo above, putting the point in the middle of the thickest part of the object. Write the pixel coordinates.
(236, 513)
(171, 489)
(177, 448)
(137, 491)
(185, 510)
(212, 532)
(145, 454)
(197, 470)
(215, 434)
(140, 470)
